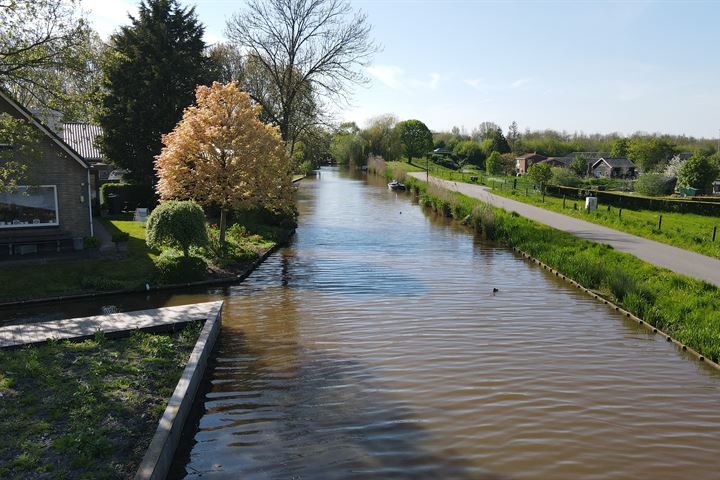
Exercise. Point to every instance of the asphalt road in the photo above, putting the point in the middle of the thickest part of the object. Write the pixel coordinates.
(673, 258)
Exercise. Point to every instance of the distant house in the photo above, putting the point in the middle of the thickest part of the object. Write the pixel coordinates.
(681, 157)
(590, 159)
(52, 208)
(523, 162)
(614, 168)
(716, 187)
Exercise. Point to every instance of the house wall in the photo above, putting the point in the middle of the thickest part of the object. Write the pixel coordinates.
(56, 167)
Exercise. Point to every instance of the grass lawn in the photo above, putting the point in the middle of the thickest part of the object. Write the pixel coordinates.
(86, 409)
(683, 230)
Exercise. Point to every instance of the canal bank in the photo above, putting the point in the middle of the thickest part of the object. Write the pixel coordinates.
(685, 309)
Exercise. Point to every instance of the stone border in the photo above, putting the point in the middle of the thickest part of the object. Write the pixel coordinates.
(159, 456)
(621, 310)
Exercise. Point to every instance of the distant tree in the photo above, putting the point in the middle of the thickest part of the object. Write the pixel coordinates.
(513, 136)
(220, 154)
(301, 48)
(620, 148)
(698, 172)
(415, 137)
(151, 73)
(484, 131)
(496, 142)
(347, 146)
(650, 153)
(471, 152)
(178, 224)
(540, 173)
(579, 166)
(494, 164)
(381, 137)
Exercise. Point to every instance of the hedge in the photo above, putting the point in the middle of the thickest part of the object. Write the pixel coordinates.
(638, 202)
(131, 195)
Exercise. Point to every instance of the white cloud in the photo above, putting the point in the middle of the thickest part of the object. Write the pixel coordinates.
(520, 82)
(476, 83)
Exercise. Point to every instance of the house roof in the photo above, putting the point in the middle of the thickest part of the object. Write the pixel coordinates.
(442, 151)
(684, 155)
(563, 160)
(81, 137)
(529, 156)
(44, 128)
(615, 162)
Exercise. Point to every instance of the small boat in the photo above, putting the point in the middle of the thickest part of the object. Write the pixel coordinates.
(395, 185)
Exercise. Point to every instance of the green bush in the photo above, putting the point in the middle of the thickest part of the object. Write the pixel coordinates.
(306, 167)
(179, 224)
(91, 243)
(540, 173)
(564, 177)
(173, 268)
(654, 185)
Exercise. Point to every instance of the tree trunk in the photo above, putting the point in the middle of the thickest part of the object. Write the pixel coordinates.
(223, 226)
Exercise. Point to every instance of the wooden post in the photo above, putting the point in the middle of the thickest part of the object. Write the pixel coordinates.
(563, 202)
(714, 232)
(620, 214)
(660, 223)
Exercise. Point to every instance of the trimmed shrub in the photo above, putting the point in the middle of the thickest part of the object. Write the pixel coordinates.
(654, 185)
(173, 268)
(91, 243)
(179, 224)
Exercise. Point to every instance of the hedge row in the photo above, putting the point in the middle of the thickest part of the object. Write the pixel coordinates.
(637, 202)
(131, 196)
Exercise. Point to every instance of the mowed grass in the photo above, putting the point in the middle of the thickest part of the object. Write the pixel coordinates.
(86, 409)
(85, 275)
(686, 308)
(684, 230)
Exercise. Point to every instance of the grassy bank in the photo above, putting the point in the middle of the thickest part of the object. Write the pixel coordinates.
(86, 409)
(89, 275)
(684, 230)
(685, 308)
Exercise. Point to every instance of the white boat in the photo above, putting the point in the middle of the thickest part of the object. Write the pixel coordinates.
(395, 185)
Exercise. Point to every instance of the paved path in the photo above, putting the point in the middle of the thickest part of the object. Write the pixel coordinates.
(673, 258)
(14, 335)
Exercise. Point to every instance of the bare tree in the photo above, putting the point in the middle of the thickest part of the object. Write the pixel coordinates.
(299, 54)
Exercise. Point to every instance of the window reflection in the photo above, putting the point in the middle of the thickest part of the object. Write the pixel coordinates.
(28, 207)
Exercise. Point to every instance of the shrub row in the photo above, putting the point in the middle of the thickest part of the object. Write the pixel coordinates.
(638, 202)
(686, 308)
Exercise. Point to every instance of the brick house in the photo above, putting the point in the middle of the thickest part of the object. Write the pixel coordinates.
(523, 162)
(52, 211)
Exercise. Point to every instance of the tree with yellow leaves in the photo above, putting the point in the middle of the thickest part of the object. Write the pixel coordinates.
(220, 154)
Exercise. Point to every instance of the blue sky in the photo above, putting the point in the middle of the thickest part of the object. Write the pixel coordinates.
(592, 66)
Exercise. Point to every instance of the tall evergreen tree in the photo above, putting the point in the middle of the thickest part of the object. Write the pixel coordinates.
(151, 72)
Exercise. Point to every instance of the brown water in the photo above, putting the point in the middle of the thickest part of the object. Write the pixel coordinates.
(373, 347)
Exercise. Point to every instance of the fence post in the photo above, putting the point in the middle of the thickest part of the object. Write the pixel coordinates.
(563, 202)
(714, 232)
(660, 223)
(620, 214)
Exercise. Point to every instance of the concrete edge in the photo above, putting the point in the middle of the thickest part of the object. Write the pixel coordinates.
(621, 310)
(158, 458)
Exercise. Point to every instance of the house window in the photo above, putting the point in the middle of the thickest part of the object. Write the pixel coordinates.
(26, 206)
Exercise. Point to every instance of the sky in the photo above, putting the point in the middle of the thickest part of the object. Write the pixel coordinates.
(576, 66)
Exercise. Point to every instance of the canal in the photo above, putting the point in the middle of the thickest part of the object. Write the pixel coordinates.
(374, 346)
